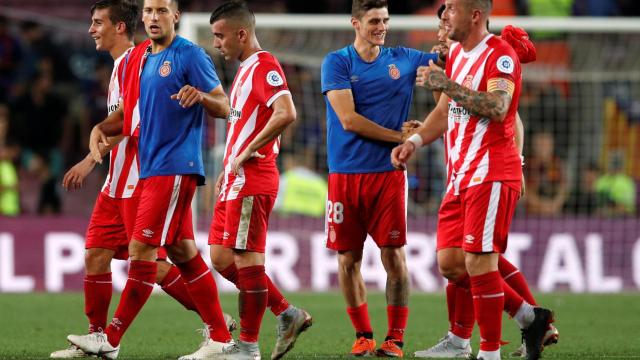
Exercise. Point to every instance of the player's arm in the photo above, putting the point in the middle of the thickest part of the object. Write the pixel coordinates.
(342, 103)
(284, 113)
(519, 139)
(493, 104)
(431, 129)
(214, 102)
(74, 178)
(109, 127)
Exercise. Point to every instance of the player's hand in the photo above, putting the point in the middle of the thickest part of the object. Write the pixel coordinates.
(432, 77)
(523, 187)
(218, 186)
(95, 138)
(242, 158)
(409, 128)
(401, 154)
(74, 178)
(188, 96)
(442, 50)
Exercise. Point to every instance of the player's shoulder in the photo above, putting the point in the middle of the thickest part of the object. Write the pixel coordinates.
(500, 46)
(340, 55)
(267, 58)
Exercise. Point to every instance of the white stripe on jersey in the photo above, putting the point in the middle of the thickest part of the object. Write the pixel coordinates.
(476, 141)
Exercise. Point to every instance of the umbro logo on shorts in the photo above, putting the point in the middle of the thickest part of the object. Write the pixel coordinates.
(469, 239)
(147, 233)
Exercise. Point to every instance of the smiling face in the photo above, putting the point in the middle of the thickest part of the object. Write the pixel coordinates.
(102, 30)
(372, 26)
(160, 18)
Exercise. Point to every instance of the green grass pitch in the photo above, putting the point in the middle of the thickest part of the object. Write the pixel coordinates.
(591, 326)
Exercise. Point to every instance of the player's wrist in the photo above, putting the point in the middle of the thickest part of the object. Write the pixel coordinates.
(416, 140)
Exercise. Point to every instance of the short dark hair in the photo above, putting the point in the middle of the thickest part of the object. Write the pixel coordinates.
(126, 11)
(234, 10)
(441, 10)
(484, 5)
(359, 7)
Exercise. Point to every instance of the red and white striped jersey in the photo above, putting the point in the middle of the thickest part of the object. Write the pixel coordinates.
(258, 83)
(123, 163)
(479, 149)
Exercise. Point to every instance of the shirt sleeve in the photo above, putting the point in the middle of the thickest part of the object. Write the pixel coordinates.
(420, 58)
(269, 82)
(502, 70)
(200, 71)
(334, 73)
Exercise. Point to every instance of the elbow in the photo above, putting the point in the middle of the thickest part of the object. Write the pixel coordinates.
(348, 123)
(290, 117)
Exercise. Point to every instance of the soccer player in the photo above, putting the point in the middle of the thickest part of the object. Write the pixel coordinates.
(168, 84)
(261, 108)
(456, 344)
(113, 24)
(368, 90)
(477, 112)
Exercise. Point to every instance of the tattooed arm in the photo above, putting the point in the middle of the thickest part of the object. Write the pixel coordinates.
(493, 105)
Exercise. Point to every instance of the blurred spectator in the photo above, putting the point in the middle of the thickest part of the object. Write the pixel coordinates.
(545, 176)
(9, 195)
(38, 121)
(584, 199)
(49, 198)
(616, 190)
(595, 8)
(302, 191)
(10, 55)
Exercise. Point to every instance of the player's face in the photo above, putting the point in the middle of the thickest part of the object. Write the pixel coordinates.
(160, 18)
(102, 30)
(457, 20)
(373, 26)
(443, 36)
(226, 39)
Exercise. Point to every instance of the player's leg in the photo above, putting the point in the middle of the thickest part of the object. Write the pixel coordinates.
(386, 221)
(106, 238)
(456, 343)
(397, 295)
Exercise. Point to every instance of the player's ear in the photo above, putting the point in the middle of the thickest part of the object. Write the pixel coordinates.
(243, 35)
(121, 28)
(355, 23)
(176, 17)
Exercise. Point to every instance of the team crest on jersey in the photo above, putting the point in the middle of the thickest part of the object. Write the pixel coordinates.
(274, 79)
(394, 72)
(505, 64)
(239, 89)
(468, 82)
(165, 69)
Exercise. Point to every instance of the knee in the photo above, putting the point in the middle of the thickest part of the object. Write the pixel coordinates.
(163, 269)
(221, 257)
(98, 261)
(451, 271)
(394, 262)
(348, 265)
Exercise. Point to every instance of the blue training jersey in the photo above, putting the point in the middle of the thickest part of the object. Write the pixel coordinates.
(170, 135)
(382, 92)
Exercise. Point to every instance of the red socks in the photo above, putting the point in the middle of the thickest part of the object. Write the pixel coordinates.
(488, 303)
(360, 318)
(451, 303)
(142, 275)
(97, 296)
(275, 301)
(397, 321)
(204, 294)
(464, 317)
(173, 284)
(252, 283)
(515, 279)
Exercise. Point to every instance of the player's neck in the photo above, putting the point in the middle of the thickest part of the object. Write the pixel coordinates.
(253, 48)
(473, 39)
(157, 46)
(120, 48)
(366, 50)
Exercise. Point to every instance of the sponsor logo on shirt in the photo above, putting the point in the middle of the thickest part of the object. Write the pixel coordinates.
(165, 69)
(274, 79)
(394, 72)
(113, 108)
(234, 115)
(459, 114)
